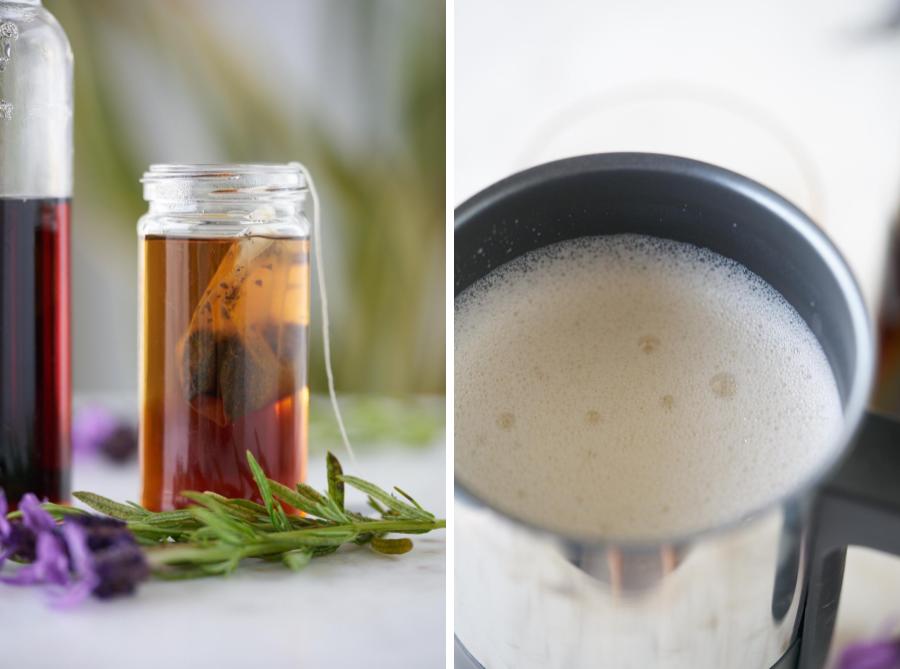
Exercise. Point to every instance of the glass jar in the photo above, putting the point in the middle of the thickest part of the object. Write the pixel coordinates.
(35, 192)
(224, 328)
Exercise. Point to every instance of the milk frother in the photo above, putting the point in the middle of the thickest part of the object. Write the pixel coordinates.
(759, 592)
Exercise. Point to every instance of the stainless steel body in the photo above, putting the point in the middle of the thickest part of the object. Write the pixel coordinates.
(729, 596)
(525, 599)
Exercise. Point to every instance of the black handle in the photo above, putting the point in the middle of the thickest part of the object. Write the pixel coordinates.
(858, 506)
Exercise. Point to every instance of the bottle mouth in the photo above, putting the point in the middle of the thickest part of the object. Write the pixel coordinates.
(224, 182)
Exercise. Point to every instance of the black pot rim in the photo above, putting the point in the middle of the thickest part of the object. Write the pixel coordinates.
(860, 386)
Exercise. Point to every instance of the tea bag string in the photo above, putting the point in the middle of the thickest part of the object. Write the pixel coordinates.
(323, 299)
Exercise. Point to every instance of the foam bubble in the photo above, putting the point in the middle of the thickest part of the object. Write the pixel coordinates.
(636, 374)
(723, 385)
(648, 343)
(506, 420)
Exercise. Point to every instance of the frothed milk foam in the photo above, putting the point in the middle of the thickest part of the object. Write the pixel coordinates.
(626, 386)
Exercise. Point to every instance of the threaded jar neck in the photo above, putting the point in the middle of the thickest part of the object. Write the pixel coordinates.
(225, 199)
(185, 187)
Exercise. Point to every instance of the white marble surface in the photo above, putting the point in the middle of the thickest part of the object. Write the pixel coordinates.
(351, 609)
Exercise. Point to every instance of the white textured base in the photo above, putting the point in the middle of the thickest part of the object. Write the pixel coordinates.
(352, 609)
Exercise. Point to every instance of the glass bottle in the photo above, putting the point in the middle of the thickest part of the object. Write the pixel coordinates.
(35, 193)
(886, 394)
(224, 331)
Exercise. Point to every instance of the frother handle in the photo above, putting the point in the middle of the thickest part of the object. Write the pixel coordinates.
(858, 506)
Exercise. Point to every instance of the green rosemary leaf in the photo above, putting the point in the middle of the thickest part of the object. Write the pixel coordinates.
(423, 530)
(391, 546)
(276, 513)
(161, 533)
(109, 507)
(249, 514)
(321, 551)
(375, 505)
(179, 518)
(223, 510)
(294, 499)
(225, 528)
(401, 508)
(335, 483)
(215, 533)
(319, 506)
(223, 568)
(203, 536)
(409, 497)
(58, 511)
(335, 512)
(311, 493)
(297, 559)
(187, 554)
(63, 510)
(399, 526)
(315, 536)
(181, 573)
(299, 522)
(247, 504)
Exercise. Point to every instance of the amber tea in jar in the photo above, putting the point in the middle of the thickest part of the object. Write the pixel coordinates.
(224, 329)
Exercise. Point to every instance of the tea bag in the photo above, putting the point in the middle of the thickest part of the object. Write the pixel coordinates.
(240, 351)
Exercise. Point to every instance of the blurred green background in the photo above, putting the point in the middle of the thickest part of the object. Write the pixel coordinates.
(353, 89)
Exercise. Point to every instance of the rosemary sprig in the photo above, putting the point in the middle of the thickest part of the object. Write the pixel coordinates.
(215, 534)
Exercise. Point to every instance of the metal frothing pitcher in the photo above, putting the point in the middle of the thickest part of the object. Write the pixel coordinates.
(757, 593)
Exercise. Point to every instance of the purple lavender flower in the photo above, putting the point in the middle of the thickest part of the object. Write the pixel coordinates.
(51, 565)
(104, 553)
(84, 555)
(98, 430)
(35, 538)
(80, 560)
(20, 544)
(5, 527)
(882, 654)
(18, 538)
(6, 530)
(33, 515)
(90, 427)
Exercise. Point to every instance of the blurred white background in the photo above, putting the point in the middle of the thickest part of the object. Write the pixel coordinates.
(355, 90)
(801, 95)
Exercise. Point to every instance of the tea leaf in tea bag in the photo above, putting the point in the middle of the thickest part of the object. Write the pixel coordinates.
(246, 337)
(202, 374)
(248, 375)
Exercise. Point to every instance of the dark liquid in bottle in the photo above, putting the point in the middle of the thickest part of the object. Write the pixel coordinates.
(886, 395)
(224, 357)
(34, 348)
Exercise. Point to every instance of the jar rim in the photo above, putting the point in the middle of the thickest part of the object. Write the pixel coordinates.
(224, 181)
